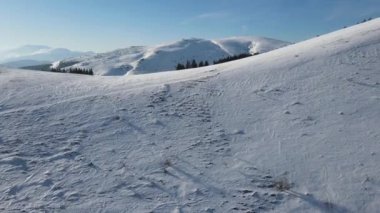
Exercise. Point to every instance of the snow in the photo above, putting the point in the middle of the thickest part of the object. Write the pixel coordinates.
(31, 55)
(292, 130)
(165, 57)
(239, 45)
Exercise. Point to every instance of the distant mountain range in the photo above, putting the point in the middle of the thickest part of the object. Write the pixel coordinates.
(137, 59)
(143, 59)
(32, 55)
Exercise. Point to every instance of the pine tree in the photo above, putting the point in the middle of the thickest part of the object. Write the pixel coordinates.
(180, 66)
(188, 65)
(201, 64)
(206, 63)
(194, 64)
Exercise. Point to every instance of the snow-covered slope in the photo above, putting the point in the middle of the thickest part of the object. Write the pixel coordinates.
(31, 55)
(252, 45)
(293, 130)
(165, 57)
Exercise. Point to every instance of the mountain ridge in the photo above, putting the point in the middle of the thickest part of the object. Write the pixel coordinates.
(31, 55)
(165, 57)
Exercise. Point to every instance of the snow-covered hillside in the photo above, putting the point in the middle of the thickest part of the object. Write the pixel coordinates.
(292, 130)
(165, 57)
(31, 55)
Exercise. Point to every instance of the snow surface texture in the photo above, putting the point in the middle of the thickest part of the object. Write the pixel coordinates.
(140, 60)
(31, 55)
(292, 130)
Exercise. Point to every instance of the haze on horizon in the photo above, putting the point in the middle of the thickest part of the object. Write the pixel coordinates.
(103, 25)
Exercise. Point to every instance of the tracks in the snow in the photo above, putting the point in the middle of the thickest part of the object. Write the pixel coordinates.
(190, 183)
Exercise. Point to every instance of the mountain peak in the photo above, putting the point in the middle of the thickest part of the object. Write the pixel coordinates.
(34, 46)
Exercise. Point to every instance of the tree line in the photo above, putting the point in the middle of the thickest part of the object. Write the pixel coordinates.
(362, 21)
(74, 70)
(195, 64)
(365, 20)
(192, 64)
(233, 58)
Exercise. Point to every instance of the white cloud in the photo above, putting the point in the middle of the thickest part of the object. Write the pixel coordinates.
(207, 16)
(214, 15)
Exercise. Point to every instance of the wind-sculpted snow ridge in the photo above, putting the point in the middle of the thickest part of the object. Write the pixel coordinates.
(293, 130)
(142, 60)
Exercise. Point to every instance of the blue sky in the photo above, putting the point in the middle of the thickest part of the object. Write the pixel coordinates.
(102, 25)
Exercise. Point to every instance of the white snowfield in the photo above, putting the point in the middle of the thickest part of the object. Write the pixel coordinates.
(293, 130)
(141, 60)
(30, 55)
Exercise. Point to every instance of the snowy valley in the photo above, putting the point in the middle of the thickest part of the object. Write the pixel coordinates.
(295, 129)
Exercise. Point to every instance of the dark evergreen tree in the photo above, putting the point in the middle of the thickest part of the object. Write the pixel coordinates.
(194, 64)
(206, 63)
(201, 64)
(180, 67)
(188, 65)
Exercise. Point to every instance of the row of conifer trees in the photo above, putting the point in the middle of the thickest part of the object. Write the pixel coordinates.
(74, 70)
(192, 64)
(233, 58)
(195, 64)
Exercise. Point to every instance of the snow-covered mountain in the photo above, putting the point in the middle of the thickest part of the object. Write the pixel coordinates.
(292, 130)
(165, 57)
(31, 55)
